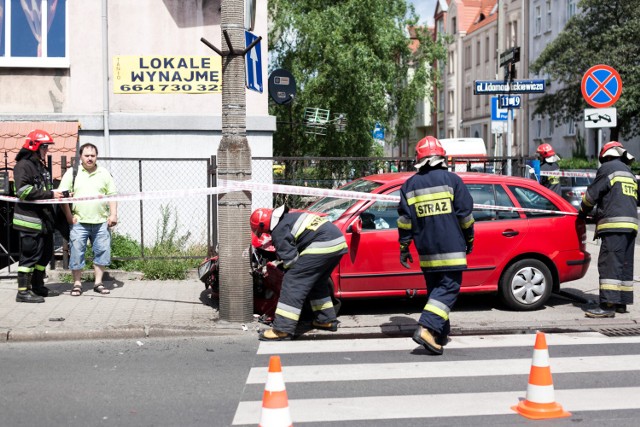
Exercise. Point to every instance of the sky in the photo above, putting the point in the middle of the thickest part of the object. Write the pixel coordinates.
(425, 9)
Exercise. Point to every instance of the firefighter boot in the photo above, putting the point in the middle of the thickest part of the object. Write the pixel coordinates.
(38, 287)
(621, 308)
(426, 338)
(329, 326)
(601, 311)
(273, 335)
(25, 294)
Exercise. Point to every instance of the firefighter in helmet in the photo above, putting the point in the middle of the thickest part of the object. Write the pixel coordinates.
(548, 163)
(35, 222)
(435, 213)
(310, 247)
(615, 192)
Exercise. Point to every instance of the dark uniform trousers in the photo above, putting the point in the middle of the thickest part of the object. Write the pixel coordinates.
(442, 288)
(307, 277)
(36, 251)
(615, 267)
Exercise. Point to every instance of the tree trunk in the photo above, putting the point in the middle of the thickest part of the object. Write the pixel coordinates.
(234, 163)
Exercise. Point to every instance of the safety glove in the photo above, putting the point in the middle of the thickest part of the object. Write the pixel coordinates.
(469, 247)
(405, 255)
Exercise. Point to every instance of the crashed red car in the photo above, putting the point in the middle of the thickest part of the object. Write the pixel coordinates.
(523, 252)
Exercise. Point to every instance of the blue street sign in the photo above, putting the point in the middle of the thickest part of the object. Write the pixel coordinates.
(253, 63)
(498, 114)
(482, 87)
(601, 86)
(509, 101)
(378, 131)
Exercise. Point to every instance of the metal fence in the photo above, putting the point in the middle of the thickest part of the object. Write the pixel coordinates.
(193, 221)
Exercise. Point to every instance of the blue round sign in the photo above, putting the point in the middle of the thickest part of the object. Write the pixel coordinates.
(601, 86)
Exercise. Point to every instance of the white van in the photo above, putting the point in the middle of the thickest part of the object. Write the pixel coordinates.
(459, 148)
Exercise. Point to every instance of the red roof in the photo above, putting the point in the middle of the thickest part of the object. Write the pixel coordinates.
(13, 135)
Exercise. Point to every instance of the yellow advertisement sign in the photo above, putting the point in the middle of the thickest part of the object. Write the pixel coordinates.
(167, 74)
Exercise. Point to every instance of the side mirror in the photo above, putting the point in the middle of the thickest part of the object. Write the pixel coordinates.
(356, 226)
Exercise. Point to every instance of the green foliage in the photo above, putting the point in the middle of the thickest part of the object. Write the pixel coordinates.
(123, 246)
(581, 150)
(577, 163)
(606, 32)
(351, 57)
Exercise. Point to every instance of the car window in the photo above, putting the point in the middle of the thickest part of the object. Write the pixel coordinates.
(333, 207)
(531, 199)
(381, 215)
(494, 195)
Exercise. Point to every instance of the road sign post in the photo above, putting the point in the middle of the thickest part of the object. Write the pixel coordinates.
(601, 88)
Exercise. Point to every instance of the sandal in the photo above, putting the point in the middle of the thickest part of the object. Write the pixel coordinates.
(99, 288)
(76, 291)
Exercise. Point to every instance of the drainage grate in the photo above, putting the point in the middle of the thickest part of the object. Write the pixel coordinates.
(620, 332)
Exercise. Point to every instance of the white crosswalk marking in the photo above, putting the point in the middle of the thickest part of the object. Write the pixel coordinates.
(338, 367)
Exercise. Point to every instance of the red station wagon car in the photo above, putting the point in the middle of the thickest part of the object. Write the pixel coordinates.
(521, 255)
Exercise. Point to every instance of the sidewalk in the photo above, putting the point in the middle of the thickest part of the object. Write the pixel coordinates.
(139, 309)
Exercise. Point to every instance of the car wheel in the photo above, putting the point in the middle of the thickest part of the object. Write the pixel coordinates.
(526, 285)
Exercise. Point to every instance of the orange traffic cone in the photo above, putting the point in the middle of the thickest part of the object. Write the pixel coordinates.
(540, 401)
(275, 405)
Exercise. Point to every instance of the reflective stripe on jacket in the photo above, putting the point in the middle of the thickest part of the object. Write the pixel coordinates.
(436, 212)
(301, 233)
(615, 192)
(32, 182)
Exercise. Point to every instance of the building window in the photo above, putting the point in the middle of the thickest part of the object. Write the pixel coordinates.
(513, 34)
(571, 8)
(549, 126)
(467, 98)
(538, 131)
(487, 52)
(467, 58)
(453, 26)
(441, 101)
(23, 43)
(538, 18)
(548, 23)
(478, 53)
(452, 65)
(451, 104)
(571, 127)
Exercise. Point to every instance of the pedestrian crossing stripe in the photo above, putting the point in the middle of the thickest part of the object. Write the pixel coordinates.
(449, 405)
(432, 369)
(387, 344)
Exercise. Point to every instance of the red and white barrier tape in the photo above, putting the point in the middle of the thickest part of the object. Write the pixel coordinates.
(229, 186)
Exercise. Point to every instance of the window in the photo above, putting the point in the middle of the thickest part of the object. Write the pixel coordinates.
(478, 53)
(467, 58)
(451, 104)
(548, 23)
(571, 127)
(571, 8)
(467, 98)
(538, 18)
(441, 100)
(490, 195)
(23, 43)
(452, 64)
(538, 128)
(381, 215)
(530, 199)
(453, 26)
(549, 126)
(487, 52)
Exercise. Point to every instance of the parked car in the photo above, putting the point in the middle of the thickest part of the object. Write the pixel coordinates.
(573, 187)
(521, 255)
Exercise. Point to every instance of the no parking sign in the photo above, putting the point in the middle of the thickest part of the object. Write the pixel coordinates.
(601, 86)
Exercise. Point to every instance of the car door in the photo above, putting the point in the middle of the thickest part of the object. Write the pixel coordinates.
(499, 232)
(373, 262)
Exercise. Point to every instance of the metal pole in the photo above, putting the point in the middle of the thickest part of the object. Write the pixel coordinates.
(509, 129)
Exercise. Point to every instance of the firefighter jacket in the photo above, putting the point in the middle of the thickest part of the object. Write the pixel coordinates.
(32, 182)
(615, 191)
(301, 233)
(436, 212)
(552, 182)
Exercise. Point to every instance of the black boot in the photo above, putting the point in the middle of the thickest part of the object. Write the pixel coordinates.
(38, 287)
(601, 311)
(25, 294)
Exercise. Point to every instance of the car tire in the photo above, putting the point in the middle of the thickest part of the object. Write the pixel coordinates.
(526, 285)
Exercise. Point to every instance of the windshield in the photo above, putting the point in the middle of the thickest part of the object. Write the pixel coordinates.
(333, 207)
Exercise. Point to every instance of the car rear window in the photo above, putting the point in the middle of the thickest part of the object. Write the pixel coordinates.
(333, 207)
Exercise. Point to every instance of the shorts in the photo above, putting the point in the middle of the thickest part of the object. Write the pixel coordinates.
(100, 238)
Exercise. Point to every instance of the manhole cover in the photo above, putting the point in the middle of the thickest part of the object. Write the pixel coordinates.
(620, 332)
